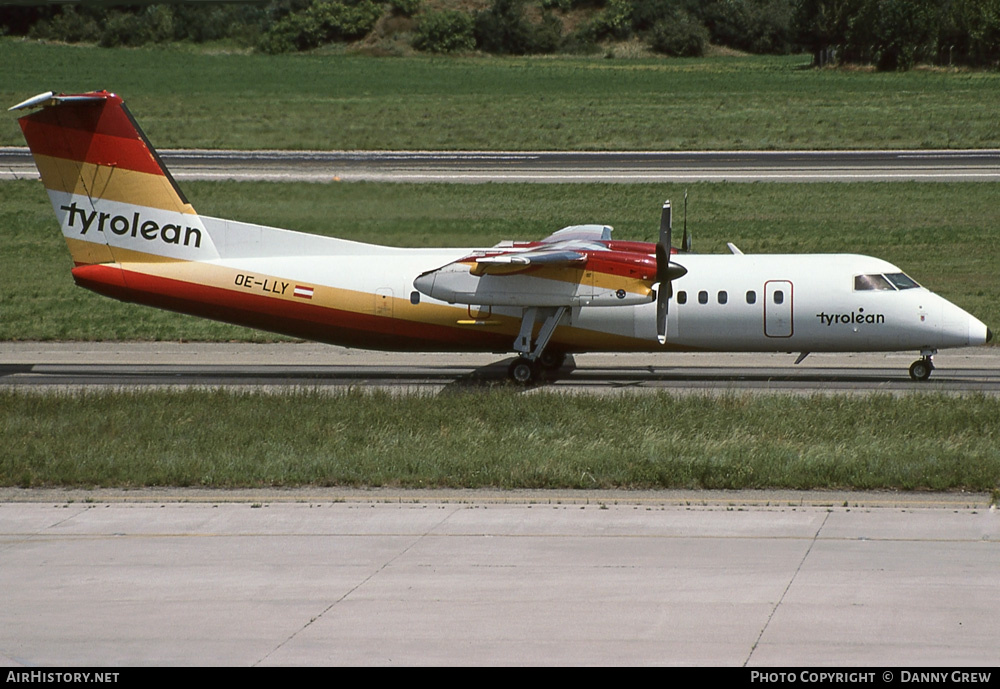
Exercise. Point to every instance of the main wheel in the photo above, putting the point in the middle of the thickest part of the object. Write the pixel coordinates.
(552, 361)
(921, 369)
(523, 371)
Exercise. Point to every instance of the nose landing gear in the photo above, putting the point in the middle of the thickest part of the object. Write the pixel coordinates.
(922, 367)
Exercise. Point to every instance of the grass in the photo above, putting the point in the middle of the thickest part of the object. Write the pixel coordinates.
(498, 438)
(941, 234)
(185, 98)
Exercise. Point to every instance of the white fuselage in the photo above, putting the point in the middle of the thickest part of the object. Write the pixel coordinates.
(732, 302)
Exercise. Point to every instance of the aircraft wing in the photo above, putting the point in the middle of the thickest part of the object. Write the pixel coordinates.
(515, 262)
(541, 277)
(592, 233)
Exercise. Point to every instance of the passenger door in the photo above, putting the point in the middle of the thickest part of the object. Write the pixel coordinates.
(778, 299)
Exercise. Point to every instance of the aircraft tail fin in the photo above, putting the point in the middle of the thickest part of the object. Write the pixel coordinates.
(114, 198)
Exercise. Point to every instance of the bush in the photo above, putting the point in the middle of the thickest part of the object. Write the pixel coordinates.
(323, 22)
(405, 8)
(154, 24)
(504, 29)
(648, 13)
(614, 22)
(212, 22)
(757, 26)
(907, 33)
(448, 31)
(548, 36)
(682, 36)
(70, 25)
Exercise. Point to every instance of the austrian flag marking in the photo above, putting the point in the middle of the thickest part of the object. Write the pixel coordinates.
(303, 292)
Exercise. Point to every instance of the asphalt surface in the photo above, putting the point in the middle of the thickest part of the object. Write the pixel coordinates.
(41, 366)
(540, 167)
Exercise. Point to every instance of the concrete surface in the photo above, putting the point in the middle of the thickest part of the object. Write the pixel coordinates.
(395, 578)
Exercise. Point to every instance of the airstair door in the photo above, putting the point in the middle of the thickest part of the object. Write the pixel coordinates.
(778, 301)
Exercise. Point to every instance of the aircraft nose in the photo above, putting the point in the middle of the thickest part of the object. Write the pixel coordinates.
(989, 334)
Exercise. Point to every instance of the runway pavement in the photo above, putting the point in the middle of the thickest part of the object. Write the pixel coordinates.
(51, 365)
(552, 166)
(432, 578)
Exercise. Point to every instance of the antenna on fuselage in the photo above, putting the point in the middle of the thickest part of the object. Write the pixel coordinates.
(686, 238)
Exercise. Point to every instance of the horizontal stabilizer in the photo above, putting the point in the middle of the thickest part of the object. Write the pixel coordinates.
(49, 98)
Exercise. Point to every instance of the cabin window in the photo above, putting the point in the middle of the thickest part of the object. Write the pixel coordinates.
(779, 297)
(703, 297)
(723, 297)
(751, 297)
(682, 297)
(901, 280)
(864, 283)
(414, 297)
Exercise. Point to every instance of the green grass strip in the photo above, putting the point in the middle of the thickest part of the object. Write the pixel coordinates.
(187, 97)
(498, 438)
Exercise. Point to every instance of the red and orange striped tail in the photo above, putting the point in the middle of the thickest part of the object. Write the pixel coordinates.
(110, 190)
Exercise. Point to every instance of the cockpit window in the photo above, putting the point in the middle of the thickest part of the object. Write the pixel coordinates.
(871, 282)
(902, 280)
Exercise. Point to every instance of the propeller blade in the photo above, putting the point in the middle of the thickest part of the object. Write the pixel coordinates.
(665, 273)
(663, 292)
(666, 226)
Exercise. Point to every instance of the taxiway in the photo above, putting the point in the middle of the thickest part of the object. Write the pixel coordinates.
(50, 365)
(561, 167)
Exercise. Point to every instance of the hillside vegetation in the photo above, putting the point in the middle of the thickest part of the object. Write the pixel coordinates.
(890, 34)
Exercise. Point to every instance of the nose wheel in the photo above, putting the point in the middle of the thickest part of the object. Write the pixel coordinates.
(921, 368)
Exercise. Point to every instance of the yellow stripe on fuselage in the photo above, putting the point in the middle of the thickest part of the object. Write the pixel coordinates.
(260, 284)
(239, 280)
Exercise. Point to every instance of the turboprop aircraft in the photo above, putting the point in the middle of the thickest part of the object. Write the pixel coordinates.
(134, 236)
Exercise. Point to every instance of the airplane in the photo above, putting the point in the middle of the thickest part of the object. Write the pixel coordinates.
(134, 236)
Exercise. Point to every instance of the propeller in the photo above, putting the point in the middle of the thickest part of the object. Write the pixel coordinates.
(665, 273)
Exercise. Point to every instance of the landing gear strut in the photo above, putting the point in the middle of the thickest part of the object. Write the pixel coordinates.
(922, 367)
(533, 357)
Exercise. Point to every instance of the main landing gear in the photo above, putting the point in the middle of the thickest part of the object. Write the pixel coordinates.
(524, 371)
(533, 358)
(922, 367)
